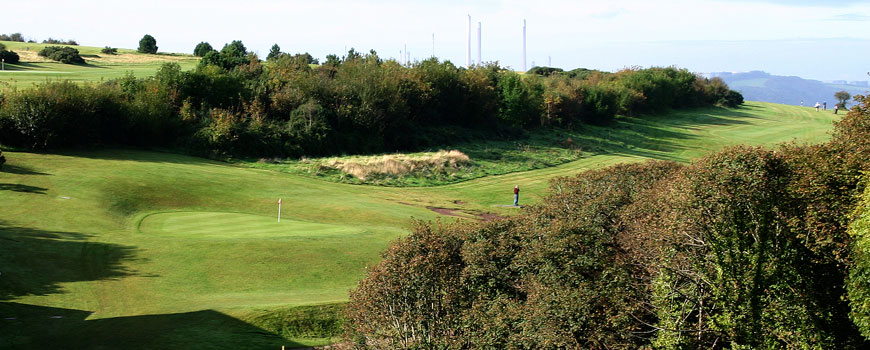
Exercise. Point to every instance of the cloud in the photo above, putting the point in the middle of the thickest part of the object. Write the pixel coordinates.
(810, 3)
(609, 14)
(850, 17)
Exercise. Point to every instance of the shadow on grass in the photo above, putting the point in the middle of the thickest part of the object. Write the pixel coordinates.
(17, 67)
(39, 327)
(22, 188)
(12, 169)
(137, 155)
(37, 262)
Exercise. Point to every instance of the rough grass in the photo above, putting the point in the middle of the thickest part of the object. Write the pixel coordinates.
(155, 250)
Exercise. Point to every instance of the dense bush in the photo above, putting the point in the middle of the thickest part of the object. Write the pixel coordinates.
(109, 50)
(85, 115)
(746, 248)
(544, 71)
(147, 44)
(202, 49)
(859, 276)
(8, 56)
(64, 54)
(60, 42)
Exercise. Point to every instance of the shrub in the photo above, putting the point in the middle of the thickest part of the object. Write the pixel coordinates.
(59, 42)
(64, 54)
(62, 114)
(9, 56)
(109, 50)
(859, 274)
(147, 44)
(545, 71)
(202, 49)
(416, 287)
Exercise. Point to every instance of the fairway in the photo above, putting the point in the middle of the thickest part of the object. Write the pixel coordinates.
(161, 250)
(217, 225)
(98, 66)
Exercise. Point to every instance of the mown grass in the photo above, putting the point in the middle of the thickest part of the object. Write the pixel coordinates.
(34, 69)
(679, 136)
(126, 248)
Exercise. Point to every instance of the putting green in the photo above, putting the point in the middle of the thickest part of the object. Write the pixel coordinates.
(226, 225)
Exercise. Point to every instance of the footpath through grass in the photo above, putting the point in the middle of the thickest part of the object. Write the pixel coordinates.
(34, 69)
(112, 248)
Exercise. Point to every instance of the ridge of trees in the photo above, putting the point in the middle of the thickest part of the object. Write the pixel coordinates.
(233, 104)
(746, 248)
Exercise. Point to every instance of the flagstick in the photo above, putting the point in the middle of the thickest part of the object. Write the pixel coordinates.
(279, 210)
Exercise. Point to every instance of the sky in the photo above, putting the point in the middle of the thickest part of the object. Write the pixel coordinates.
(823, 40)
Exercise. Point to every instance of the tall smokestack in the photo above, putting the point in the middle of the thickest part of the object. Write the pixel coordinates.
(478, 44)
(468, 48)
(524, 45)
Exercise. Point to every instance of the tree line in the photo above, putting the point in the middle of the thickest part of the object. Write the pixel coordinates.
(747, 248)
(233, 104)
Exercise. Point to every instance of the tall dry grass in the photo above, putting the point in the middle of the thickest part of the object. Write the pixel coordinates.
(397, 165)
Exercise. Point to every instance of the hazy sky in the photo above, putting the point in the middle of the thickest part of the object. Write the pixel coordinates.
(813, 39)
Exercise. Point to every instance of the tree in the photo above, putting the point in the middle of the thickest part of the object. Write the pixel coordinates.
(234, 49)
(274, 53)
(8, 56)
(202, 49)
(148, 44)
(843, 97)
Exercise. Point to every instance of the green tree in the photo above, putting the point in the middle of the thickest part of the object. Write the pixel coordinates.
(202, 49)
(843, 97)
(148, 44)
(274, 53)
(234, 49)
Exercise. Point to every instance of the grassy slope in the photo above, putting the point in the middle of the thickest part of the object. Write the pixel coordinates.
(117, 243)
(35, 69)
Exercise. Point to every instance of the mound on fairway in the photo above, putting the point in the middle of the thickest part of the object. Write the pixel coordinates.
(222, 225)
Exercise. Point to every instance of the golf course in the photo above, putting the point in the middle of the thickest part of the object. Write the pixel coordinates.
(98, 67)
(112, 247)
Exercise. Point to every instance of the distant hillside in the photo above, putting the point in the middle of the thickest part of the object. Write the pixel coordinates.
(764, 87)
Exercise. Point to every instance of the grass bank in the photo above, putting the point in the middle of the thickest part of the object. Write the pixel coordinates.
(108, 248)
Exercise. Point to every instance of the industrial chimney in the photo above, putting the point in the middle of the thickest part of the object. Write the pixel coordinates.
(478, 44)
(524, 45)
(468, 47)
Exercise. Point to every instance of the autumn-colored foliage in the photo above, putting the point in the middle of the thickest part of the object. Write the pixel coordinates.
(747, 248)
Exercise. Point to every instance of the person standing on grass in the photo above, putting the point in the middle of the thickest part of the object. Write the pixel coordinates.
(516, 195)
(825, 105)
(817, 106)
(836, 107)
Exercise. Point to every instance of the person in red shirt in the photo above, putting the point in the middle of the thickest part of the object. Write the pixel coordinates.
(516, 195)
